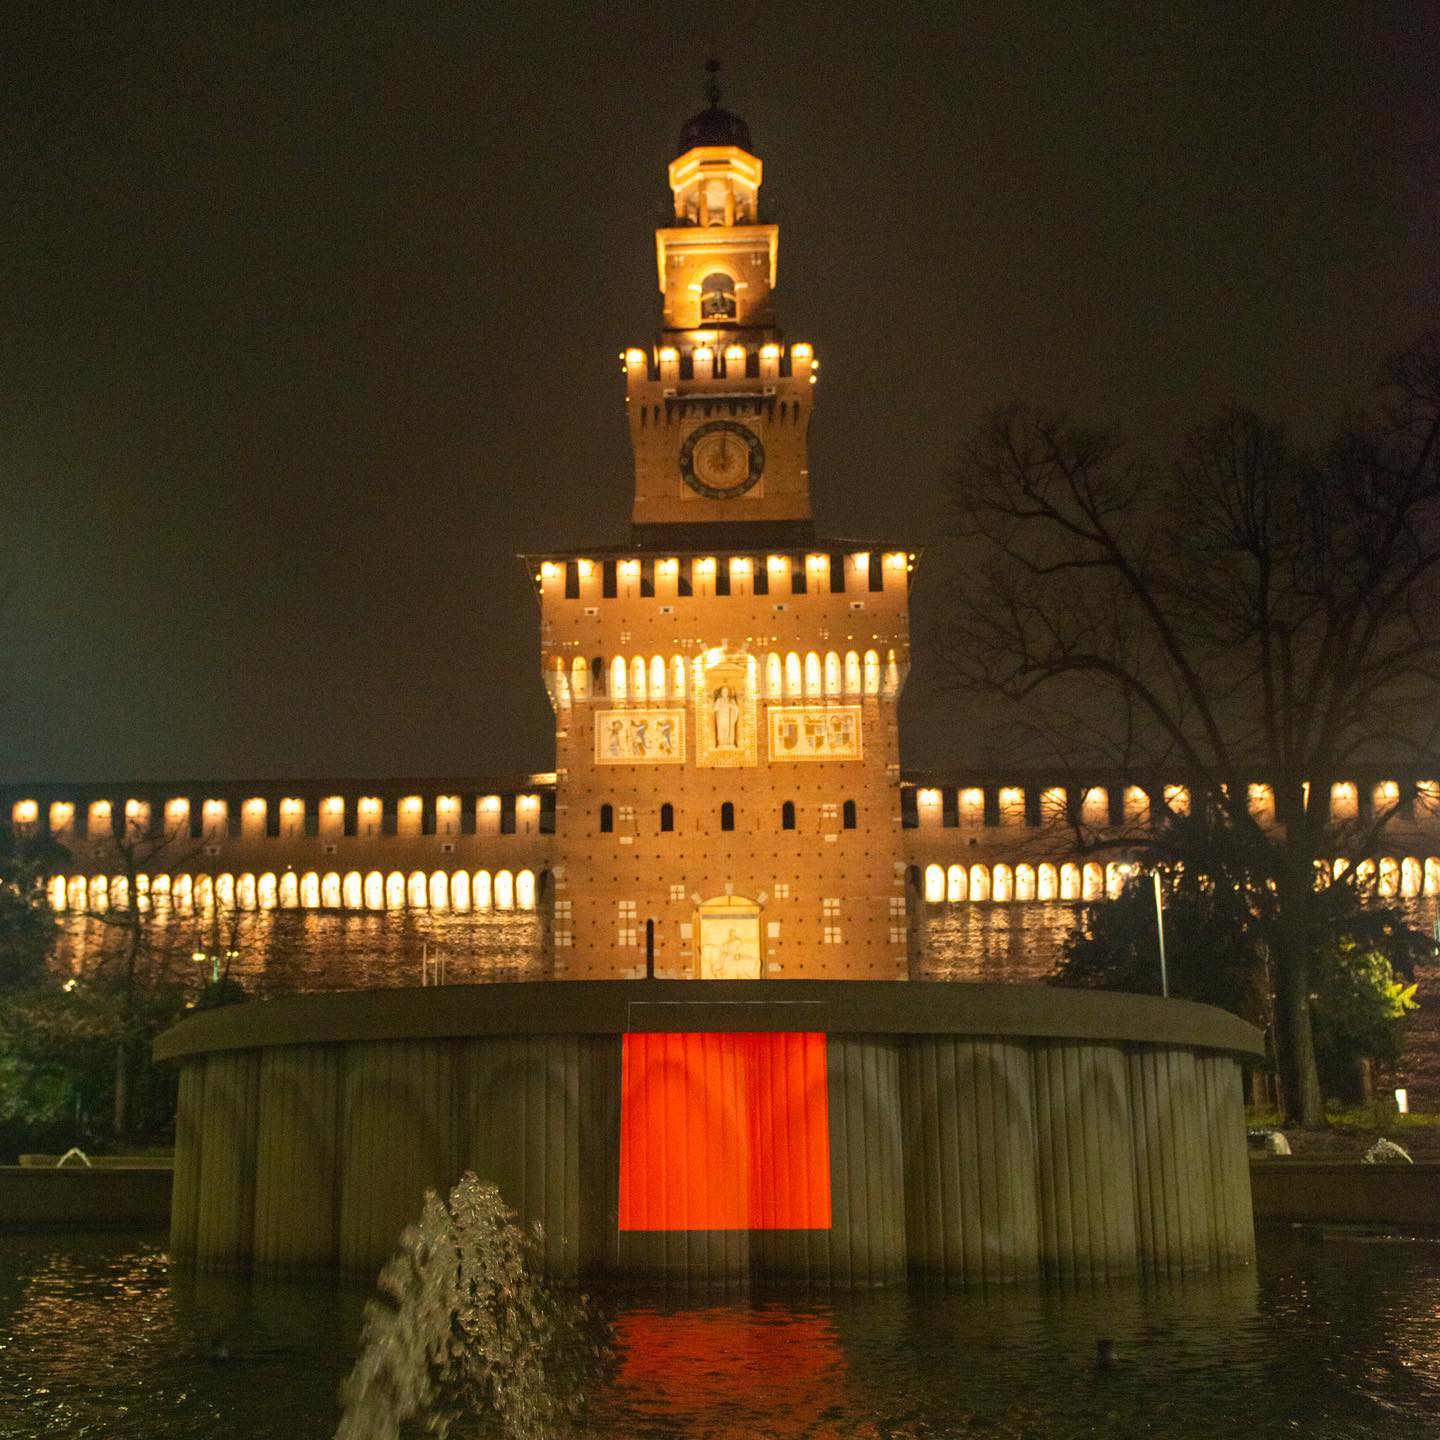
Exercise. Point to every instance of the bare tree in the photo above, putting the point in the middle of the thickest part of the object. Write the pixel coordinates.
(1255, 611)
(142, 965)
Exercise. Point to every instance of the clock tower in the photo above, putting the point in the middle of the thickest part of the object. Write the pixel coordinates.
(720, 404)
(725, 685)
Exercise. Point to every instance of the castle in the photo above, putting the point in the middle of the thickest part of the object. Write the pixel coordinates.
(727, 800)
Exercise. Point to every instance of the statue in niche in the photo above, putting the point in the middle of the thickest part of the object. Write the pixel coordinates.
(726, 706)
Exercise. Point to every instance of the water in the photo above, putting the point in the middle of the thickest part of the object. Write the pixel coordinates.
(467, 1326)
(1329, 1340)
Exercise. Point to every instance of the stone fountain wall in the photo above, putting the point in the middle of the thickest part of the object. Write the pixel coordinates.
(977, 1134)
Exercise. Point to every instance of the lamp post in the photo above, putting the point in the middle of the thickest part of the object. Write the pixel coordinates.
(1160, 931)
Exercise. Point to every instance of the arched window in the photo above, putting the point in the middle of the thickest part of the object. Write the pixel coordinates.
(310, 890)
(579, 678)
(717, 297)
(1047, 886)
(727, 816)
(787, 815)
(417, 890)
(852, 673)
(395, 890)
(979, 883)
(504, 890)
(352, 890)
(934, 884)
(812, 674)
(1069, 881)
(460, 890)
(832, 673)
(637, 678)
(667, 816)
(1002, 883)
(289, 891)
(481, 891)
(1389, 877)
(677, 677)
(597, 676)
(872, 672)
(607, 819)
(617, 678)
(1410, 878)
(374, 890)
(957, 884)
(657, 677)
(439, 890)
(774, 676)
(792, 674)
(848, 814)
(524, 889)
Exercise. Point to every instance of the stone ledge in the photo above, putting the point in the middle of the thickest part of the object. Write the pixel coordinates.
(1345, 1192)
(615, 1007)
(33, 1197)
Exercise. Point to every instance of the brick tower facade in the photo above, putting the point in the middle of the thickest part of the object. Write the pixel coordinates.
(725, 686)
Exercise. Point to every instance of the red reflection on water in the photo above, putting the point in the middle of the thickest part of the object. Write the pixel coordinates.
(724, 1132)
(725, 1372)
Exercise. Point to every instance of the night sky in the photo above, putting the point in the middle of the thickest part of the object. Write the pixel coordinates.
(311, 317)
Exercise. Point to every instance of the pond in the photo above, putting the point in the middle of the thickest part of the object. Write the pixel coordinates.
(1325, 1338)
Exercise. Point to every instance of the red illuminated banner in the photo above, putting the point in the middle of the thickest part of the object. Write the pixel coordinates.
(724, 1132)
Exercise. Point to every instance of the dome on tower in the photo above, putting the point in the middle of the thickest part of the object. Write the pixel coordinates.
(713, 126)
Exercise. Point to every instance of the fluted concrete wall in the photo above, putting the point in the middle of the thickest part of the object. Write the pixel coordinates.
(974, 1160)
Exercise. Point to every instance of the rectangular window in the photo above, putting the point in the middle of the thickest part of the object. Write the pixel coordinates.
(572, 579)
(647, 579)
(677, 892)
(722, 578)
(830, 922)
(837, 574)
(782, 890)
(797, 576)
(684, 585)
(761, 577)
(897, 920)
(608, 587)
(627, 930)
(877, 570)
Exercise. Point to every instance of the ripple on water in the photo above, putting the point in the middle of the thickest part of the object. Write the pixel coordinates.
(1326, 1340)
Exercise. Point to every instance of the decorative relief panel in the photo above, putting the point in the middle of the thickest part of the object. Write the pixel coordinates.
(728, 939)
(640, 737)
(815, 732)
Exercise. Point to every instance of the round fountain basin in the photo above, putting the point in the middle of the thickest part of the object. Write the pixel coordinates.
(840, 1133)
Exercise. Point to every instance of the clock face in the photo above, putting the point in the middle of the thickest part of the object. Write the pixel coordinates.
(721, 459)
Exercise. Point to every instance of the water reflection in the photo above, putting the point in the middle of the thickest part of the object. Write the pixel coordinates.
(1325, 1339)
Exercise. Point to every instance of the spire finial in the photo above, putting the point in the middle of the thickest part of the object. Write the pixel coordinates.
(712, 85)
